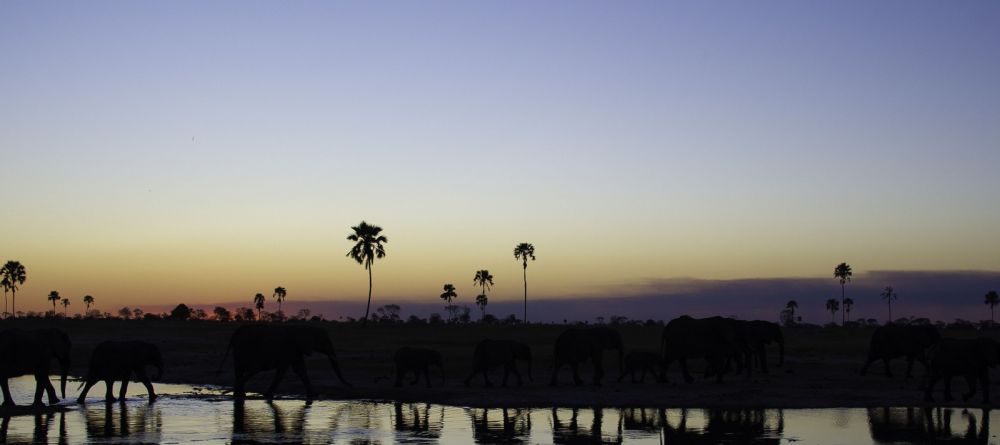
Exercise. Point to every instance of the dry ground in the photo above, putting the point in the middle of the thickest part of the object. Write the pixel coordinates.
(821, 367)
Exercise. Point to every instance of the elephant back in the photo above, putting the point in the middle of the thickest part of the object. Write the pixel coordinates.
(685, 337)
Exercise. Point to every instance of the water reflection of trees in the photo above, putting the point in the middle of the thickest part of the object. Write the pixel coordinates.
(415, 420)
(40, 432)
(122, 421)
(919, 425)
(744, 426)
(570, 429)
(500, 425)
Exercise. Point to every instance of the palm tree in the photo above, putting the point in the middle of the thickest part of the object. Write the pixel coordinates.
(65, 303)
(367, 248)
(833, 306)
(888, 294)
(792, 305)
(279, 294)
(484, 279)
(14, 273)
(54, 297)
(448, 295)
(482, 300)
(843, 272)
(5, 283)
(847, 306)
(992, 299)
(524, 251)
(258, 302)
(88, 300)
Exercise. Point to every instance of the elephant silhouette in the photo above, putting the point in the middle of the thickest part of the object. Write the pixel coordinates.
(574, 346)
(715, 339)
(892, 340)
(118, 360)
(927, 425)
(969, 358)
(418, 362)
(492, 353)
(26, 352)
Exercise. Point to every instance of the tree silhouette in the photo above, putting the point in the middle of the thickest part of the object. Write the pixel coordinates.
(482, 300)
(992, 299)
(848, 303)
(524, 251)
(258, 302)
(65, 303)
(843, 273)
(448, 295)
(888, 294)
(484, 279)
(54, 298)
(833, 306)
(367, 248)
(5, 284)
(279, 294)
(14, 274)
(88, 300)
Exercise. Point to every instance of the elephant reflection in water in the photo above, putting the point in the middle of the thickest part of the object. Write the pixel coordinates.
(131, 422)
(641, 419)
(921, 425)
(570, 432)
(500, 425)
(752, 426)
(40, 432)
(414, 420)
(272, 420)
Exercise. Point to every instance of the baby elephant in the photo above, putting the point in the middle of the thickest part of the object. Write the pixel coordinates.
(491, 353)
(118, 360)
(969, 358)
(418, 361)
(642, 360)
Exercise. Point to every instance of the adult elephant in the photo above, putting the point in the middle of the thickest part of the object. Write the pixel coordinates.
(417, 361)
(715, 339)
(970, 358)
(893, 340)
(119, 360)
(574, 346)
(259, 347)
(758, 334)
(492, 353)
(24, 352)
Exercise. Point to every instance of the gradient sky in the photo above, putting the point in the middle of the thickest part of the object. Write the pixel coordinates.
(155, 152)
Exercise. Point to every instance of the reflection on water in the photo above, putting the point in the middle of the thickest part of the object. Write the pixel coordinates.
(181, 416)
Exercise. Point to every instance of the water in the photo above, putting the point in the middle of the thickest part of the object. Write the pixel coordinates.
(187, 414)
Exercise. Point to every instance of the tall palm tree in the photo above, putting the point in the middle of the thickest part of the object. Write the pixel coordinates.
(88, 300)
(482, 300)
(448, 295)
(484, 279)
(5, 284)
(992, 299)
(833, 306)
(524, 251)
(792, 305)
(888, 294)
(368, 246)
(258, 302)
(54, 297)
(14, 273)
(843, 273)
(279, 294)
(65, 303)
(848, 303)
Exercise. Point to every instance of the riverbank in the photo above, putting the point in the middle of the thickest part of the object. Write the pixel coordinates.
(821, 368)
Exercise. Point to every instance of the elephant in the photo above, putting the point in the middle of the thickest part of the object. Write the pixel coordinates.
(119, 360)
(715, 339)
(893, 340)
(418, 361)
(758, 334)
(574, 345)
(31, 352)
(898, 425)
(259, 348)
(490, 353)
(642, 360)
(970, 358)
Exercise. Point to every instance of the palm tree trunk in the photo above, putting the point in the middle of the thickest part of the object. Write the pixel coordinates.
(890, 311)
(369, 306)
(525, 273)
(843, 315)
(13, 303)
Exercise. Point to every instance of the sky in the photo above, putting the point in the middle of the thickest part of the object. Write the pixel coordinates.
(159, 152)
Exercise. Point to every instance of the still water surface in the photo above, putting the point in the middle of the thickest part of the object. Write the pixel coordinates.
(188, 414)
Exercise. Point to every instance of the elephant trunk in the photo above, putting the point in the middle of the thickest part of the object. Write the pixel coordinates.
(336, 369)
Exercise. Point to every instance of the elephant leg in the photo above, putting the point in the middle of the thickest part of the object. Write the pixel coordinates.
(506, 374)
(932, 379)
(971, 379)
(8, 401)
(947, 388)
(762, 355)
(416, 375)
(513, 369)
(124, 388)
(471, 376)
(642, 377)
(985, 377)
(598, 368)
(868, 363)
(144, 378)
(399, 376)
(427, 376)
(300, 370)
(278, 375)
(576, 375)
(909, 366)
(555, 372)
(885, 361)
(486, 377)
(109, 386)
(239, 386)
(86, 388)
(684, 371)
